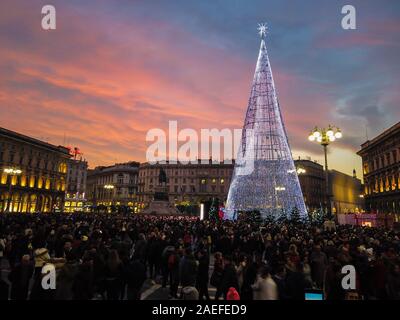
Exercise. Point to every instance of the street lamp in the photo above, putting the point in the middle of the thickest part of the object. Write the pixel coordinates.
(12, 172)
(324, 137)
(300, 171)
(109, 187)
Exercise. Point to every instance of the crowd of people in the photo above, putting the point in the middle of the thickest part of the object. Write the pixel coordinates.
(103, 256)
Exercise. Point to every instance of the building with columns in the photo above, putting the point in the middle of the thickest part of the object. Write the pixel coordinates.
(115, 185)
(32, 174)
(187, 184)
(75, 196)
(381, 170)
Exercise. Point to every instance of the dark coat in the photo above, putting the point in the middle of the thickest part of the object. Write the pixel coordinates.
(19, 278)
(188, 271)
(229, 279)
(202, 274)
(135, 274)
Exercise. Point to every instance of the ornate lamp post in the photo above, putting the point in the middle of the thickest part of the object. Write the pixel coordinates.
(324, 137)
(109, 187)
(12, 172)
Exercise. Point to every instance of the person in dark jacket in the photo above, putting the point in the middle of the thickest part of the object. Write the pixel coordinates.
(168, 250)
(83, 284)
(19, 277)
(393, 283)
(229, 277)
(249, 278)
(297, 283)
(134, 276)
(140, 249)
(154, 252)
(3, 288)
(188, 269)
(280, 280)
(114, 274)
(173, 267)
(319, 263)
(65, 280)
(202, 274)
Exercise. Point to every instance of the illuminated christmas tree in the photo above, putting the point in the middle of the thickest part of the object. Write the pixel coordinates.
(265, 177)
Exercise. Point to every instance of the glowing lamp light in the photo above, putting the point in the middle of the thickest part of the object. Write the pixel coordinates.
(332, 138)
(202, 211)
(338, 134)
(301, 171)
(12, 171)
(316, 134)
(319, 139)
(311, 137)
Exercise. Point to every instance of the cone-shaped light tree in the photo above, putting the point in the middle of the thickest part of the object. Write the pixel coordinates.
(265, 178)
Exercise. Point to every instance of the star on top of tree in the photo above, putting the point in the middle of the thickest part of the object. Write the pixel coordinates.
(262, 29)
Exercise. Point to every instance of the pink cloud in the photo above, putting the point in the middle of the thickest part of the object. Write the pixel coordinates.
(109, 90)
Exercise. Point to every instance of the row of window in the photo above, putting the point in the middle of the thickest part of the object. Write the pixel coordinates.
(185, 172)
(34, 182)
(190, 189)
(381, 162)
(202, 181)
(33, 162)
(121, 179)
(389, 183)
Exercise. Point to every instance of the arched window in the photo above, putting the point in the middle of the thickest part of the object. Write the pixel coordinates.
(62, 167)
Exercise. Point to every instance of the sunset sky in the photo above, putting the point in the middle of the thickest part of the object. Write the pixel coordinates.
(112, 70)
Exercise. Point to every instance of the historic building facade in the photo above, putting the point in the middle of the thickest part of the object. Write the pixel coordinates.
(187, 184)
(75, 197)
(33, 174)
(312, 182)
(115, 185)
(381, 170)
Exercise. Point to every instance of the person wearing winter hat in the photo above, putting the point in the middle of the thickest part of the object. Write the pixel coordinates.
(232, 294)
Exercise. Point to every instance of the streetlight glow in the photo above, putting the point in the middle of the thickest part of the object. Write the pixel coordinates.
(324, 137)
(12, 171)
(301, 170)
